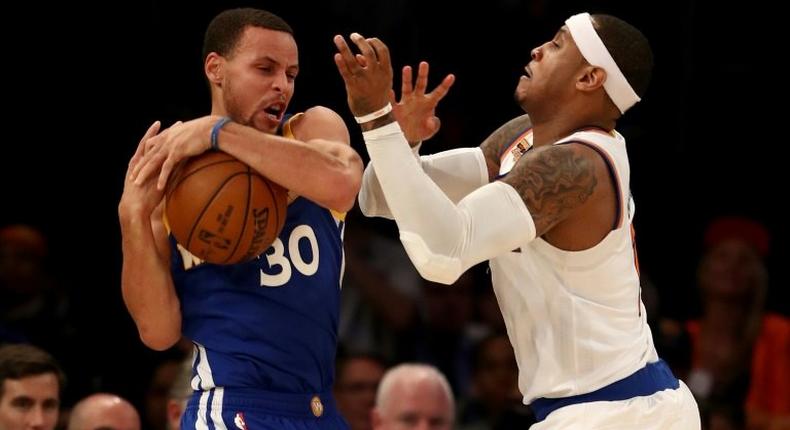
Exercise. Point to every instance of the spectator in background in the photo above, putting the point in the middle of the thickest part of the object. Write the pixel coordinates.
(495, 402)
(740, 354)
(104, 411)
(179, 394)
(157, 397)
(413, 396)
(32, 307)
(445, 335)
(30, 386)
(358, 377)
(381, 291)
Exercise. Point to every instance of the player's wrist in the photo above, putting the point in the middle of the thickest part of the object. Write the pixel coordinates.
(381, 121)
(374, 115)
(215, 131)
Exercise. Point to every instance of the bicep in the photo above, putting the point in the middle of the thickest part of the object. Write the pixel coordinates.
(494, 144)
(554, 181)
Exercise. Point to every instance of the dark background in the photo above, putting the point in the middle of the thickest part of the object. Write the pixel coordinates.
(82, 83)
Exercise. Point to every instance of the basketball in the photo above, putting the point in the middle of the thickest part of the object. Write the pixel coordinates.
(223, 211)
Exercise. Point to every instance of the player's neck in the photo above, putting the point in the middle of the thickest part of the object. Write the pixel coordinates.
(218, 108)
(546, 133)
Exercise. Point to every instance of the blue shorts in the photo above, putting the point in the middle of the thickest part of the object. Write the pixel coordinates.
(248, 409)
(652, 378)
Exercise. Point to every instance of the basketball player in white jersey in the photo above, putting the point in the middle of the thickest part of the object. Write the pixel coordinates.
(546, 199)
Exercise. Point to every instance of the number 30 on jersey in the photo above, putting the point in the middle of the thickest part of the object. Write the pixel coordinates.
(282, 266)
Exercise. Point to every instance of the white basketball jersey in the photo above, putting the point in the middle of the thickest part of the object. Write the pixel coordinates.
(576, 319)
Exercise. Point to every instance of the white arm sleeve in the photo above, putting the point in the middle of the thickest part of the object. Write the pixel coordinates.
(457, 172)
(441, 238)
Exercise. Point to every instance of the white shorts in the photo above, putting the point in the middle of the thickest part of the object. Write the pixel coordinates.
(664, 410)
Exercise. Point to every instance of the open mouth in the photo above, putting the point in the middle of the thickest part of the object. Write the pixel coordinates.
(275, 112)
(527, 72)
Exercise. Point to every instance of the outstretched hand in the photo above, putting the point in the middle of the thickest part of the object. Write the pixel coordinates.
(416, 110)
(367, 75)
(143, 197)
(165, 150)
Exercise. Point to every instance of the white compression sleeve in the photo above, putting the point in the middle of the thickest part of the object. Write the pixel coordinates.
(457, 172)
(441, 238)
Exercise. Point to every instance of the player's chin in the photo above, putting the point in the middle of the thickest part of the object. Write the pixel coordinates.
(520, 95)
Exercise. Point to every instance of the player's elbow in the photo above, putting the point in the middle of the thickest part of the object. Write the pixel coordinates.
(438, 274)
(434, 267)
(367, 204)
(346, 184)
(159, 339)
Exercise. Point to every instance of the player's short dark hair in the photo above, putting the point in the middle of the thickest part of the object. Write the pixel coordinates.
(225, 30)
(629, 48)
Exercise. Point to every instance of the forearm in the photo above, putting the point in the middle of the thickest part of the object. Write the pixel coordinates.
(441, 238)
(456, 172)
(323, 171)
(147, 286)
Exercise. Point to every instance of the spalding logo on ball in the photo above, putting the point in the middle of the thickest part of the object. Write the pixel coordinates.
(223, 211)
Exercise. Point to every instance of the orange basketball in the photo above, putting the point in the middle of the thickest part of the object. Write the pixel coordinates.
(221, 210)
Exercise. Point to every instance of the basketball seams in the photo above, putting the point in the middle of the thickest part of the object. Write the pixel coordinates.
(183, 177)
(276, 206)
(246, 215)
(208, 204)
(199, 201)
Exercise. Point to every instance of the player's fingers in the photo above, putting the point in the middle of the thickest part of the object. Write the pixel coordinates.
(148, 168)
(382, 51)
(346, 57)
(164, 173)
(422, 78)
(364, 47)
(345, 73)
(405, 82)
(151, 132)
(441, 90)
(138, 164)
(434, 123)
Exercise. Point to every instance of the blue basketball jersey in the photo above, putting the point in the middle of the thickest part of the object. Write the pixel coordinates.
(270, 323)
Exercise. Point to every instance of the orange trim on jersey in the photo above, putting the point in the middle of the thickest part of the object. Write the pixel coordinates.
(287, 130)
(613, 168)
(521, 137)
(633, 244)
(599, 130)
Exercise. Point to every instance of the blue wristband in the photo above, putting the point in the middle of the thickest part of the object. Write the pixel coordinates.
(215, 131)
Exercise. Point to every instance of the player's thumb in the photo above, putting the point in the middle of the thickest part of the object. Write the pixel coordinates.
(434, 123)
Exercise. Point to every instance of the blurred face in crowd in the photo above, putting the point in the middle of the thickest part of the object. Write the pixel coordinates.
(355, 391)
(29, 403)
(421, 404)
(496, 379)
(732, 269)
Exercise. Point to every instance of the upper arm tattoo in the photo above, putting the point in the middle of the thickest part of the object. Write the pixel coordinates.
(553, 181)
(494, 144)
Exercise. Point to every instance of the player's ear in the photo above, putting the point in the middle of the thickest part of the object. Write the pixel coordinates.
(214, 68)
(590, 78)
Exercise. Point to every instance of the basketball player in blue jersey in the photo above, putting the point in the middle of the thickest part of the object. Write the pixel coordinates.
(264, 331)
(546, 199)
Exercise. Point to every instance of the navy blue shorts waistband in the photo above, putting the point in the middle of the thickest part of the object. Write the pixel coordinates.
(652, 378)
(298, 405)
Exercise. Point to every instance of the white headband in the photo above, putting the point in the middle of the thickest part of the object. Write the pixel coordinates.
(594, 51)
